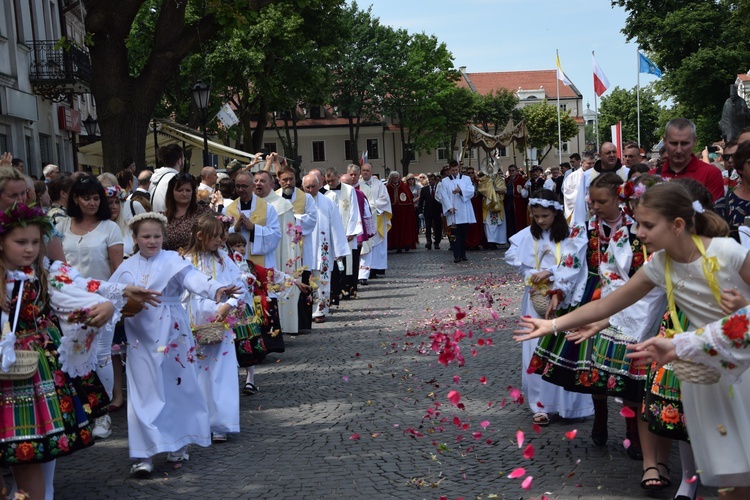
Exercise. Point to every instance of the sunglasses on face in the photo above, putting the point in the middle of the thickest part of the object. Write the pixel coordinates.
(726, 157)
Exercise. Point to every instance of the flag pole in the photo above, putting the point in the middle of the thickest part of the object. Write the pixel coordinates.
(596, 112)
(638, 93)
(559, 127)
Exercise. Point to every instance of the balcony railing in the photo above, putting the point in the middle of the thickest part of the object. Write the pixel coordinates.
(59, 69)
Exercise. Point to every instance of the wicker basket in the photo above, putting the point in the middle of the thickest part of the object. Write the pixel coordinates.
(695, 373)
(209, 334)
(26, 365)
(131, 308)
(540, 301)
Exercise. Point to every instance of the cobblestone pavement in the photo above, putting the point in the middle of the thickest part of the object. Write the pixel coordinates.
(343, 413)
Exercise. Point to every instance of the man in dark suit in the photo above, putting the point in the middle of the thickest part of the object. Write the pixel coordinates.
(432, 211)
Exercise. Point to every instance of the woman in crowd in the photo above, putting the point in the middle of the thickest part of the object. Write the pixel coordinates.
(182, 210)
(58, 189)
(736, 205)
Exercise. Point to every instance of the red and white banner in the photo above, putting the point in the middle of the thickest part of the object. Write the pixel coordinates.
(601, 84)
(617, 137)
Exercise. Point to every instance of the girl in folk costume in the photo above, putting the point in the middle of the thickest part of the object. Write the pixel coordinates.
(612, 374)
(575, 365)
(249, 347)
(536, 251)
(698, 271)
(166, 408)
(43, 415)
(217, 362)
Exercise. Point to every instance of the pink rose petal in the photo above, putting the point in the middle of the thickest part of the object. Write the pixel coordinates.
(526, 484)
(485, 424)
(627, 412)
(520, 436)
(517, 473)
(528, 452)
(691, 480)
(626, 443)
(571, 434)
(483, 380)
(354, 436)
(454, 397)
(456, 378)
(537, 428)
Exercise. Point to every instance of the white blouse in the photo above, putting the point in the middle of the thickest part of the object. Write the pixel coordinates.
(89, 253)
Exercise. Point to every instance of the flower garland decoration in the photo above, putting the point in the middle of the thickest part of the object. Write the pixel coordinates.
(116, 192)
(148, 215)
(20, 215)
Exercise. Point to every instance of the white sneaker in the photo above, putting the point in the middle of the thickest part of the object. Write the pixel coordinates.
(178, 457)
(142, 469)
(218, 437)
(102, 427)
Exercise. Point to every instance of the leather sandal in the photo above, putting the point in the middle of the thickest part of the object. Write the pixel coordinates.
(657, 483)
(541, 419)
(664, 478)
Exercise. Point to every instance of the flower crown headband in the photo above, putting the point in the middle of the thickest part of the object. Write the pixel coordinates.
(148, 215)
(116, 192)
(546, 203)
(20, 215)
(227, 220)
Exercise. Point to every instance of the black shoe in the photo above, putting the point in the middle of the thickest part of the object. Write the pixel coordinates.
(437, 247)
(456, 261)
(464, 259)
(428, 246)
(363, 282)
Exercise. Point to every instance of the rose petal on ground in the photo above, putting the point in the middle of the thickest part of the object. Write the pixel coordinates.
(346, 379)
(537, 428)
(483, 380)
(454, 397)
(485, 424)
(528, 452)
(517, 473)
(354, 436)
(477, 435)
(626, 443)
(526, 484)
(515, 393)
(520, 436)
(456, 378)
(627, 412)
(571, 434)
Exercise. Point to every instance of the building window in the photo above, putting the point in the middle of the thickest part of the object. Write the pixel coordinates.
(442, 154)
(348, 150)
(565, 147)
(270, 147)
(319, 150)
(45, 153)
(502, 152)
(373, 149)
(409, 152)
(315, 113)
(563, 107)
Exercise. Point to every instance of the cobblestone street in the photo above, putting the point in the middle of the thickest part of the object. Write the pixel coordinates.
(359, 408)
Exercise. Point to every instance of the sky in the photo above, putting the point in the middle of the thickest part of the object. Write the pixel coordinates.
(515, 35)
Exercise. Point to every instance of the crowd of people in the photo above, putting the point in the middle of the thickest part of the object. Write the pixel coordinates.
(635, 290)
(181, 279)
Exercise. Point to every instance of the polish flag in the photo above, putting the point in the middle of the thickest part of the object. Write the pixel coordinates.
(601, 84)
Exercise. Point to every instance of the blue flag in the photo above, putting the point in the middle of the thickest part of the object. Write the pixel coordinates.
(648, 66)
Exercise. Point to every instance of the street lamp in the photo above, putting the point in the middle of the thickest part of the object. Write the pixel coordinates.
(91, 124)
(201, 93)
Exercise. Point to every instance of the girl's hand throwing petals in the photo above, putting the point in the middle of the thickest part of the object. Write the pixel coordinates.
(532, 328)
(656, 349)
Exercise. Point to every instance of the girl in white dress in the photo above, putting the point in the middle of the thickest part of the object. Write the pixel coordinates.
(166, 408)
(536, 252)
(217, 363)
(698, 272)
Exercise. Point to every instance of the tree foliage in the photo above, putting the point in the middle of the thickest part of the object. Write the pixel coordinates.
(131, 69)
(700, 44)
(418, 69)
(495, 109)
(541, 124)
(622, 105)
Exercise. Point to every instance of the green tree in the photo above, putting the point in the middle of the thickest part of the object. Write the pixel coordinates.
(495, 109)
(418, 69)
(128, 85)
(458, 106)
(541, 124)
(621, 105)
(701, 45)
(356, 89)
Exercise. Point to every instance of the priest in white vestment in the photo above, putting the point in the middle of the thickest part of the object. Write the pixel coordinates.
(256, 220)
(346, 201)
(576, 190)
(380, 206)
(455, 194)
(288, 251)
(330, 244)
(306, 216)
